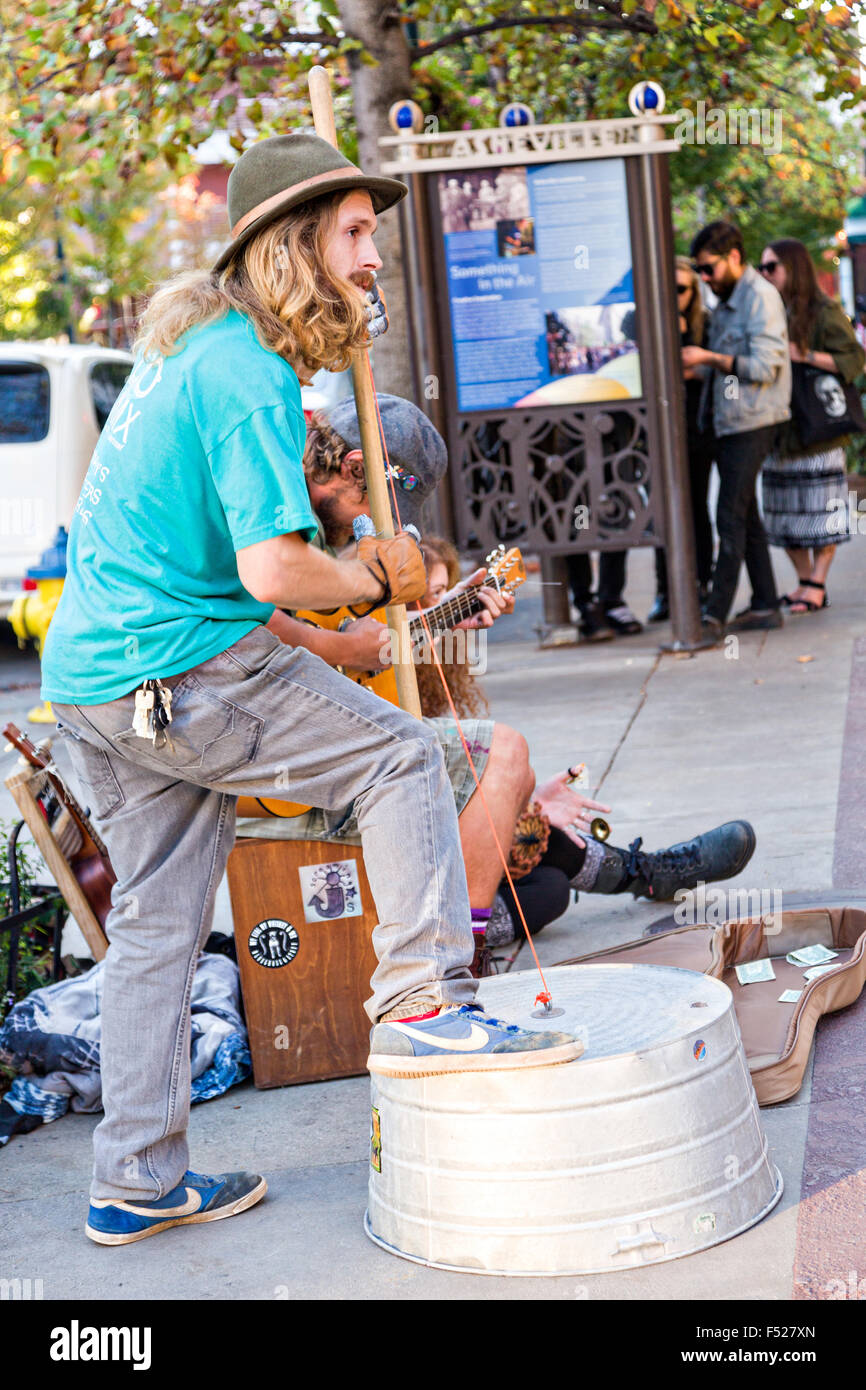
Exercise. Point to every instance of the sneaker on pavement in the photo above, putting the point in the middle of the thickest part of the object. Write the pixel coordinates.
(756, 620)
(719, 854)
(623, 621)
(463, 1038)
(196, 1198)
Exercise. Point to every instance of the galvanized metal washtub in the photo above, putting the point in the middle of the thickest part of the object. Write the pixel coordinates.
(648, 1147)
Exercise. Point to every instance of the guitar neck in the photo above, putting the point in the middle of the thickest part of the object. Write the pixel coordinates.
(64, 796)
(447, 614)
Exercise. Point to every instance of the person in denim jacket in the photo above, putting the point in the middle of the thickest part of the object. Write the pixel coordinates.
(746, 397)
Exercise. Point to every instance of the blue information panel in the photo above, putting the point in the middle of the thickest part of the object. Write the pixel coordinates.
(540, 284)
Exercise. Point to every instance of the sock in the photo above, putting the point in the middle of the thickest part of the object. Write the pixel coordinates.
(480, 920)
(412, 1009)
(500, 930)
(591, 865)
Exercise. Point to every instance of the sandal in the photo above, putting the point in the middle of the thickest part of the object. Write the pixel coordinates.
(806, 605)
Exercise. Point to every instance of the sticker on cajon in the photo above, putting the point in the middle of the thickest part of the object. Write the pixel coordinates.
(303, 919)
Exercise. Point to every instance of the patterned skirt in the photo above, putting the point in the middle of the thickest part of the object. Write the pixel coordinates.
(805, 500)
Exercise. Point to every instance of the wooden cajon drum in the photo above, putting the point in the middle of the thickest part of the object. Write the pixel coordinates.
(303, 918)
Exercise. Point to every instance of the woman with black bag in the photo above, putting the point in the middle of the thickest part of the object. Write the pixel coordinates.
(804, 488)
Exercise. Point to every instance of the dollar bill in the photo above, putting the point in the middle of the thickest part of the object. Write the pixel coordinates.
(754, 971)
(811, 955)
(817, 970)
(789, 996)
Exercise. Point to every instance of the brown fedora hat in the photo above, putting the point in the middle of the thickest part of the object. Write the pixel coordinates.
(277, 174)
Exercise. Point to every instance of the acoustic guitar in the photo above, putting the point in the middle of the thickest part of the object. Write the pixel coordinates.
(89, 863)
(505, 572)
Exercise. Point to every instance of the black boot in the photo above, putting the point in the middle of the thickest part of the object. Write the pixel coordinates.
(719, 854)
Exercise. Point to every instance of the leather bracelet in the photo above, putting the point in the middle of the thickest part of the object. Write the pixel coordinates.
(379, 602)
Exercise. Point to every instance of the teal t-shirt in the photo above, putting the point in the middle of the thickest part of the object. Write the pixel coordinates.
(200, 456)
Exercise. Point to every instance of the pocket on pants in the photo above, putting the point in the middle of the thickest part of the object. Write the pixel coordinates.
(210, 735)
(96, 786)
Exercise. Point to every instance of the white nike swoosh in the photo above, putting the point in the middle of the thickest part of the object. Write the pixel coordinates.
(477, 1038)
(191, 1205)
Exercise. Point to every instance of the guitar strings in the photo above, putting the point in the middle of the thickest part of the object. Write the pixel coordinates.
(544, 997)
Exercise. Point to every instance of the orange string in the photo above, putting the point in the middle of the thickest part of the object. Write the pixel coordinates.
(544, 997)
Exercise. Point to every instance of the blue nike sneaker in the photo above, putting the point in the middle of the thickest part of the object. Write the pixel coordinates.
(463, 1039)
(196, 1198)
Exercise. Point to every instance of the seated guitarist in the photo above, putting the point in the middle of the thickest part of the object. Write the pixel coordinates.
(335, 481)
(572, 859)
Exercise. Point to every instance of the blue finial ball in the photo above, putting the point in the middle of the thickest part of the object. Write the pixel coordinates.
(646, 97)
(406, 115)
(516, 113)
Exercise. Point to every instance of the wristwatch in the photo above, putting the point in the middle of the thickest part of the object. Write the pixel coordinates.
(810, 357)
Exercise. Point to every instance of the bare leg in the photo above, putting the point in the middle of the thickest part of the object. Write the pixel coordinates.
(821, 562)
(508, 783)
(801, 559)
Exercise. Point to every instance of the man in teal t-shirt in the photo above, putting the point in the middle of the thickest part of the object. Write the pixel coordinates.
(173, 697)
(212, 437)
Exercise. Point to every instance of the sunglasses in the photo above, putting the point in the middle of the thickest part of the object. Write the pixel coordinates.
(683, 289)
(706, 271)
(767, 267)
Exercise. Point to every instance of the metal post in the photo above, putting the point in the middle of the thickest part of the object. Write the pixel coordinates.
(424, 341)
(557, 629)
(664, 344)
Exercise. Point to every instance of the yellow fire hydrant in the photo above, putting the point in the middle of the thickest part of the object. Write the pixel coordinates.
(32, 611)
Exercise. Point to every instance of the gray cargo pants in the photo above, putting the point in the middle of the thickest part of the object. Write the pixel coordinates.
(259, 719)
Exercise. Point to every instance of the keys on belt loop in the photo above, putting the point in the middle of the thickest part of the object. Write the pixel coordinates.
(153, 713)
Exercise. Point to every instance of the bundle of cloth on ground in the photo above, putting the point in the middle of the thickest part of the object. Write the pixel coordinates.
(51, 1039)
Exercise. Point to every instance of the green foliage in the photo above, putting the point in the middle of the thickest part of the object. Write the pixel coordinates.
(36, 939)
(96, 96)
(795, 188)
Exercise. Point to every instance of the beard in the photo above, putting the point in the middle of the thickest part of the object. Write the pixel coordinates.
(726, 289)
(333, 525)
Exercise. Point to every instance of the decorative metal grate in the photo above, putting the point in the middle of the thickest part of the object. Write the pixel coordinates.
(555, 482)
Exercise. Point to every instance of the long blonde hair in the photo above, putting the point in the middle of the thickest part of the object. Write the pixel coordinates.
(696, 314)
(281, 281)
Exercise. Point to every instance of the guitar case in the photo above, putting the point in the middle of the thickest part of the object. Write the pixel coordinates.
(777, 1037)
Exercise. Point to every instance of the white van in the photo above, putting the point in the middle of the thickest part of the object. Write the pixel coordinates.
(54, 401)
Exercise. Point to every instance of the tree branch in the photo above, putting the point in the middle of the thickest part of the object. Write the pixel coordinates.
(640, 23)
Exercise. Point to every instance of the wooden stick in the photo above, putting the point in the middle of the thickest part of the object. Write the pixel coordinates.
(374, 464)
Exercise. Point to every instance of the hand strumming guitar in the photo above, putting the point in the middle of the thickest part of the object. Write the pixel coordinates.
(495, 603)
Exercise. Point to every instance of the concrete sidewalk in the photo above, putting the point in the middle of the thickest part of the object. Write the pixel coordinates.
(676, 745)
